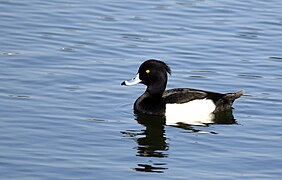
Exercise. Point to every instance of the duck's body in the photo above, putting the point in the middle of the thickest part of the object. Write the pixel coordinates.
(180, 104)
(151, 105)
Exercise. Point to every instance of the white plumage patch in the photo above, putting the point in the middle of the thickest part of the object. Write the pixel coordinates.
(196, 112)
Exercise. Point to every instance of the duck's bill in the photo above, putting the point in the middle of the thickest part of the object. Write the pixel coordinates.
(132, 81)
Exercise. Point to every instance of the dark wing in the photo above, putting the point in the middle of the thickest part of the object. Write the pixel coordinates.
(183, 95)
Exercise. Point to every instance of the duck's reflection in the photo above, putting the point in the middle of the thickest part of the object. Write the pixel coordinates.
(152, 141)
(156, 167)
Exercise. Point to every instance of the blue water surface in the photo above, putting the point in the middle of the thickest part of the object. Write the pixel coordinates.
(64, 115)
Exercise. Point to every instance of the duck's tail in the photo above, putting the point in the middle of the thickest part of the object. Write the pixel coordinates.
(227, 100)
(233, 96)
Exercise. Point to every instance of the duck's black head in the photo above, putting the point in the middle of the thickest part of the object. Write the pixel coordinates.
(152, 73)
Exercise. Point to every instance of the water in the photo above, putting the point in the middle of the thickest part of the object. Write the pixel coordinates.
(64, 114)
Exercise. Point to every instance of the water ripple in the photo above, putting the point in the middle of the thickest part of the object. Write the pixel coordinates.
(62, 107)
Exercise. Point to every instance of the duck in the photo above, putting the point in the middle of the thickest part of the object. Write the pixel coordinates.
(178, 105)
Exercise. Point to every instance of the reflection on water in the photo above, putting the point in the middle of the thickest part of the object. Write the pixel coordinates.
(156, 168)
(152, 141)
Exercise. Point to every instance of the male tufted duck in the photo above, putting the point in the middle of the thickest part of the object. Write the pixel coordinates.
(180, 105)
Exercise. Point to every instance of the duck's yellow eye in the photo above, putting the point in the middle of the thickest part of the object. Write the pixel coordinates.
(147, 71)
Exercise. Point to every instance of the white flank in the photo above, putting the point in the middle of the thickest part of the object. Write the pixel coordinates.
(196, 112)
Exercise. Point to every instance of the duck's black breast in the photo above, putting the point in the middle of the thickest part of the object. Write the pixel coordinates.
(151, 105)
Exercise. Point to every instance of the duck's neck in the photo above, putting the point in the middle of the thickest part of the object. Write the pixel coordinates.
(157, 85)
(156, 90)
